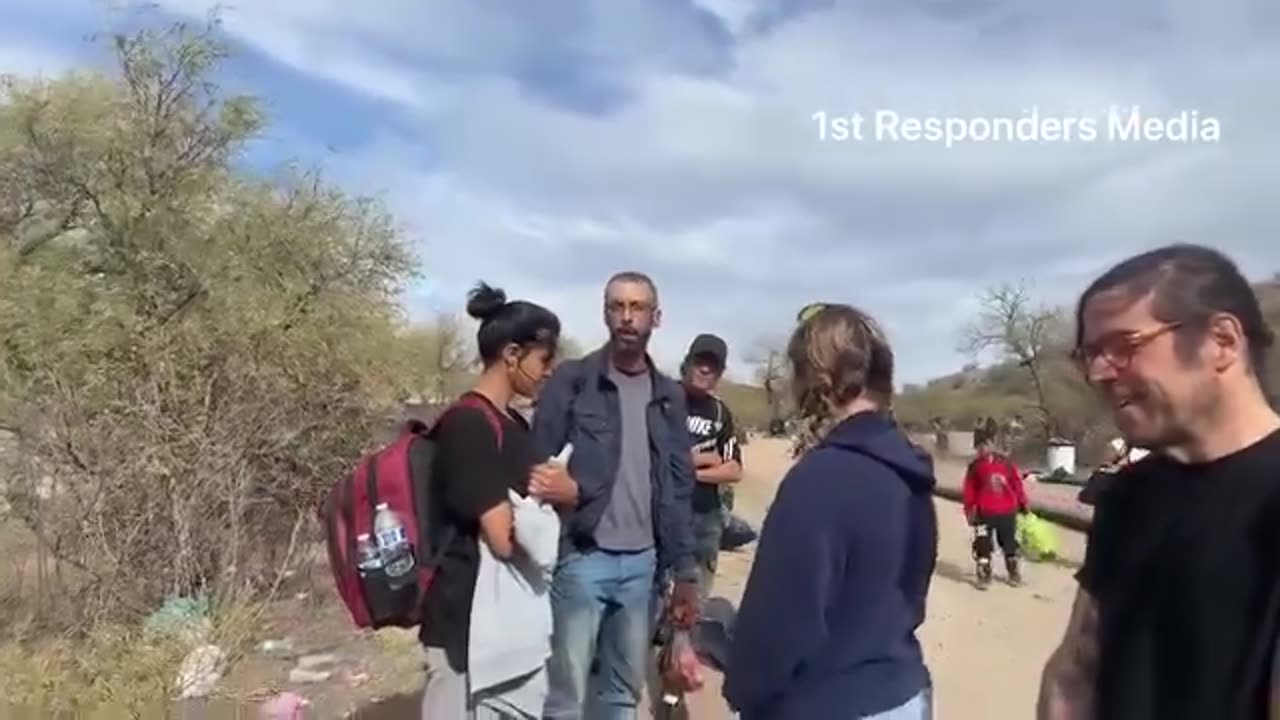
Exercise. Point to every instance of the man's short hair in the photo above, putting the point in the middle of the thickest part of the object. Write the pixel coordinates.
(632, 276)
(1188, 284)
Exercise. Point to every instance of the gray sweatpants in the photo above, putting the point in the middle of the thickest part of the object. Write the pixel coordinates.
(445, 696)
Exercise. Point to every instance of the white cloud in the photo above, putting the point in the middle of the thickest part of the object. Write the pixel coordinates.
(706, 169)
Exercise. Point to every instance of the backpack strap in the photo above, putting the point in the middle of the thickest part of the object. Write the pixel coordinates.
(472, 400)
(469, 400)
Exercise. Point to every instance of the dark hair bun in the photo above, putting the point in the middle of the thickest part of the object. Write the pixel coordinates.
(483, 302)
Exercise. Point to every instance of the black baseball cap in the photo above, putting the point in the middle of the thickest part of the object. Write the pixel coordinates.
(708, 345)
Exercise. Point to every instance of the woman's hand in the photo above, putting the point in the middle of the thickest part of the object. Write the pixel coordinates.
(551, 482)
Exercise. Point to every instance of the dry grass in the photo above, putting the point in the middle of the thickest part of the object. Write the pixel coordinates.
(54, 662)
(111, 672)
(114, 670)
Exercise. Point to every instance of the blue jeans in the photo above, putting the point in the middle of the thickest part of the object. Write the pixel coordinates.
(919, 707)
(602, 604)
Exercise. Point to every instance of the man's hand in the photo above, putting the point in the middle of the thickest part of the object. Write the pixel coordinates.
(704, 460)
(550, 481)
(681, 669)
(684, 604)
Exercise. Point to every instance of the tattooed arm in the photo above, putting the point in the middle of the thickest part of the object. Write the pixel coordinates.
(1069, 679)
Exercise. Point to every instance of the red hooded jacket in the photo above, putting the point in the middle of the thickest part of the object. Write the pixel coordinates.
(993, 486)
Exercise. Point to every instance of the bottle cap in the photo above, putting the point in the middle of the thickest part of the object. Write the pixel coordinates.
(380, 506)
(362, 536)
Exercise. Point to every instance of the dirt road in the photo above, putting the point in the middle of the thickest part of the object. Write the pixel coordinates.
(984, 648)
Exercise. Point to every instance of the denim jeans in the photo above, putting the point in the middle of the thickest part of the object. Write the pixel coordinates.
(602, 604)
(919, 707)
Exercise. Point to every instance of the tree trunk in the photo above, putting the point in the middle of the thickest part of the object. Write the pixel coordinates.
(1047, 417)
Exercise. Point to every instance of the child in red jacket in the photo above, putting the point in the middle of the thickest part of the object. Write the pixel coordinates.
(993, 497)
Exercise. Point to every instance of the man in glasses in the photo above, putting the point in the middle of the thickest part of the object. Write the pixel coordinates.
(632, 519)
(1178, 603)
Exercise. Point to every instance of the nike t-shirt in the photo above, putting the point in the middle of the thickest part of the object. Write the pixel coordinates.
(711, 431)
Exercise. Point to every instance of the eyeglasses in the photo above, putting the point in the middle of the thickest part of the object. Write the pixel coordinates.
(620, 307)
(809, 311)
(1118, 348)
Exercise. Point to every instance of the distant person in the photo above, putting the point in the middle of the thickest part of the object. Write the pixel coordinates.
(631, 524)
(777, 427)
(474, 472)
(1119, 456)
(1178, 607)
(979, 430)
(717, 456)
(1013, 434)
(994, 494)
(991, 430)
(984, 428)
(941, 438)
(1124, 454)
(828, 619)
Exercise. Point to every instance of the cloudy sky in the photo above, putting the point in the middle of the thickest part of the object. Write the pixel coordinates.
(544, 144)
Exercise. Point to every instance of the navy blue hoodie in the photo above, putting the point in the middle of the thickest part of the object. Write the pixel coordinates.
(826, 627)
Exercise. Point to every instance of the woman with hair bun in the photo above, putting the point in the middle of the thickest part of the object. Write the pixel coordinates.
(485, 465)
(827, 624)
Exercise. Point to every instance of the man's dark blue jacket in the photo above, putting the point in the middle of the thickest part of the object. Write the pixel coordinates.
(579, 404)
(838, 586)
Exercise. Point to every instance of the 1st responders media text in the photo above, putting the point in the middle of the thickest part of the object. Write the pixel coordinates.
(1117, 124)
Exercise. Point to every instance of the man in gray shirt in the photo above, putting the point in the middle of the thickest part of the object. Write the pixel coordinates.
(630, 522)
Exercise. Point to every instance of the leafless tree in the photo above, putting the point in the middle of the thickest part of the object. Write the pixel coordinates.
(768, 358)
(1019, 329)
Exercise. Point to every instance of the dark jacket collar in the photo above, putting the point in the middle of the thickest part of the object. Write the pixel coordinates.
(664, 387)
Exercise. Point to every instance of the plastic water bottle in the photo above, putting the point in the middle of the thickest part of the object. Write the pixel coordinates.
(367, 558)
(393, 546)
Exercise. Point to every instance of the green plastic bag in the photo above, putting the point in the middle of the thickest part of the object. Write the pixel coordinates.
(1036, 538)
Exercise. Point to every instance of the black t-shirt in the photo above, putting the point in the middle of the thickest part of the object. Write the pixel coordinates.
(711, 430)
(1184, 563)
(471, 476)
